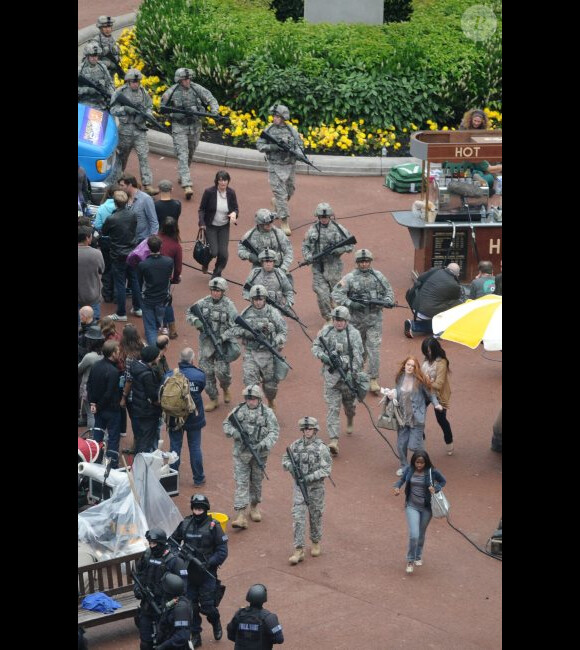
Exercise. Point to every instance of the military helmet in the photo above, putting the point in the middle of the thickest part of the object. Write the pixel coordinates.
(363, 254)
(172, 584)
(308, 422)
(253, 390)
(183, 73)
(133, 75)
(267, 254)
(323, 210)
(156, 535)
(263, 216)
(92, 48)
(258, 291)
(257, 595)
(340, 312)
(281, 110)
(199, 501)
(105, 21)
(218, 283)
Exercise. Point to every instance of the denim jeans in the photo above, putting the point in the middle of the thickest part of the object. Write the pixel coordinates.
(111, 421)
(417, 522)
(152, 321)
(169, 316)
(122, 272)
(409, 438)
(195, 455)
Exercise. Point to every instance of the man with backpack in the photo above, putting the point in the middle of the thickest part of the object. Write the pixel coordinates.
(183, 409)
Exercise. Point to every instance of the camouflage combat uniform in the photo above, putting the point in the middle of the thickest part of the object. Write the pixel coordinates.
(348, 344)
(262, 428)
(259, 364)
(368, 320)
(313, 458)
(277, 284)
(221, 315)
(109, 45)
(327, 271)
(98, 74)
(281, 165)
(132, 131)
(274, 239)
(185, 130)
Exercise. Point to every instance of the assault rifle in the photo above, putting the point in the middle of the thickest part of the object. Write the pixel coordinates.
(189, 554)
(233, 420)
(372, 302)
(281, 308)
(124, 101)
(298, 477)
(326, 251)
(209, 331)
(85, 81)
(260, 339)
(117, 68)
(189, 112)
(147, 594)
(286, 147)
(247, 244)
(336, 364)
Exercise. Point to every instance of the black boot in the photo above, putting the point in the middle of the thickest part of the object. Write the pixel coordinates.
(217, 630)
(196, 639)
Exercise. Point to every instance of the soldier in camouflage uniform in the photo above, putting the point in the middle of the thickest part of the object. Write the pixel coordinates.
(327, 271)
(185, 130)
(276, 283)
(313, 458)
(345, 340)
(95, 71)
(132, 128)
(221, 312)
(261, 425)
(260, 366)
(364, 282)
(109, 47)
(281, 164)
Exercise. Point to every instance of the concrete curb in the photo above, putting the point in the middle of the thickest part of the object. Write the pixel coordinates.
(226, 156)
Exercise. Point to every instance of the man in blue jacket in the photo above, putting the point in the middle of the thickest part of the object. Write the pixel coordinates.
(195, 421)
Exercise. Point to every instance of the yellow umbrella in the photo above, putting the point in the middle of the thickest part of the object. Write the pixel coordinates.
(472, 322)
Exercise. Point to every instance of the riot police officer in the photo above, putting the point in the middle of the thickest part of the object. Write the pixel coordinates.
(203, 540)
(96, 72)
(150, 568)
(175, 622)
(253, 627)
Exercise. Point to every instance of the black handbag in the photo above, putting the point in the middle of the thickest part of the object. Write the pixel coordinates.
(201, 250)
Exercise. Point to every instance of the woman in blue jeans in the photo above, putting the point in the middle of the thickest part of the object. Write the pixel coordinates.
(422, 480)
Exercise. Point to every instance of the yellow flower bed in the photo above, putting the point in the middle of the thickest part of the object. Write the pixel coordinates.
(244, 128)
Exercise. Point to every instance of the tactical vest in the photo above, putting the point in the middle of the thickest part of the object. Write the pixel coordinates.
(216, 314)
(265, 240)
(253, 422)
(152, 569)
(257, 319)
(250, 629)
(200, 537)
(307, 456)
(177, 615)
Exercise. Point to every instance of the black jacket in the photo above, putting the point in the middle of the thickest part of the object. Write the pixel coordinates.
(155, 277)
(145, 390)
(440, 291)
(208, 205)
(121, 227)
(103, 386)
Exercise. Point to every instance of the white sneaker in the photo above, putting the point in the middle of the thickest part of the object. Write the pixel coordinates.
(418, 562)
(399, 472)
(117, 317)
(409, 568)
(123, 433)
(136, 312)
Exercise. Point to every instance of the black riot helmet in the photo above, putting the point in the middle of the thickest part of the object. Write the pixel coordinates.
(172, 584)
(158, 536)
(257, 595)
(200, 501)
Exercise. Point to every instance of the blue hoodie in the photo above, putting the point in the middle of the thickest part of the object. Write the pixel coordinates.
(105, 210)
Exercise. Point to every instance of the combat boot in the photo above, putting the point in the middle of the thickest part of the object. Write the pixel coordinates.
(272, 404)
(285, 226)
(297, 556)
(349, 423)
(173, 331)
(241, 521)
(196, 640)
(217, 629)
(211, 405)
(188, 192)
(315, 551)
(374, 387)
(255, 514)
(333, 446)
(152, 191)
(227, 395)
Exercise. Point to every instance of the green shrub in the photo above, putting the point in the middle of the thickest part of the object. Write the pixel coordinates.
(285, 9)
(397, 11)
(393, 73)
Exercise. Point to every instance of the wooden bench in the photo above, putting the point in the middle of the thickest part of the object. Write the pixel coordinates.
(112, 577)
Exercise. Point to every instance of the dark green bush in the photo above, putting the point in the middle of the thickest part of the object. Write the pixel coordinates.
(285, 9)
(394, 73)
(397, 11)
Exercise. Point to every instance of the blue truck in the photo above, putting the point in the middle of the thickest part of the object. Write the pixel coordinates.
(98, 138)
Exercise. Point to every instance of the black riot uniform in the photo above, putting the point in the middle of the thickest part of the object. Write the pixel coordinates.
(175, 622)
(253, 627)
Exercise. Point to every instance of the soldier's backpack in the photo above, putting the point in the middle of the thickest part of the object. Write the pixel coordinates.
(176, 400)
(404, 178)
